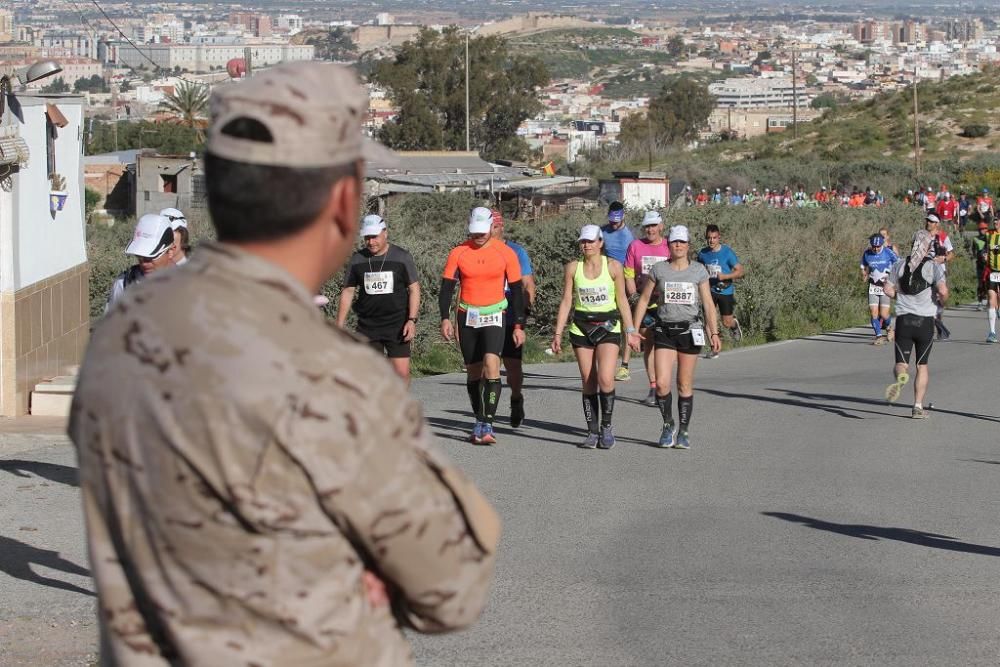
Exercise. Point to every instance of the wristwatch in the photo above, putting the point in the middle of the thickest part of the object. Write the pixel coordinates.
(411, 319)
(629, 330)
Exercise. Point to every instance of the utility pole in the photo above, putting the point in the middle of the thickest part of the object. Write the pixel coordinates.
(649, 140)
(916, 122)
(795, 99)
(114, 115)
(247, 60)
(467, 91)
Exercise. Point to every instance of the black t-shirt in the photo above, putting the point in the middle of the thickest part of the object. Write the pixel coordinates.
(381, 282)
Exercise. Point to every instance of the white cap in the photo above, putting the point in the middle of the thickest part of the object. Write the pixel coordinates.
(480, 220)
(652, 218)
(153, 235)
(679, 233)
(590, 233)
(175, 217)
(932, 218)
(372, 225)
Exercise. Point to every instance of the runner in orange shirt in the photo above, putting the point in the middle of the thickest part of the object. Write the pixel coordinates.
(483, 267)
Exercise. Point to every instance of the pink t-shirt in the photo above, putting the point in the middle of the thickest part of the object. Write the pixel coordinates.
(640, 258)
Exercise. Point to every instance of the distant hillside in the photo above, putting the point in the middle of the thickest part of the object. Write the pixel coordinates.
(958, 119)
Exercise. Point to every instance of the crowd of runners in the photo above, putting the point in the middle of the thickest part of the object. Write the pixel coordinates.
(652, 295)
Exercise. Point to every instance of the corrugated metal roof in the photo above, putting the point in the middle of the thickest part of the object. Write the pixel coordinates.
(14, 150)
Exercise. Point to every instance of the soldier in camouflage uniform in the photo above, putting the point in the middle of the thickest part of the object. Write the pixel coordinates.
(252, 477)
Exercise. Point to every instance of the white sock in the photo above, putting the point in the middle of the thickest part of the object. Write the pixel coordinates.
(992, 314)
(917, 405)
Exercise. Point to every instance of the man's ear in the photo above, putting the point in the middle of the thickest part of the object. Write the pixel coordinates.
(345, 204)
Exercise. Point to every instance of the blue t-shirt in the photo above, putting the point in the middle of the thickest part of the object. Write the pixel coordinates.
(522, 257)
(878, 263)
(725, 259)
(616, 242)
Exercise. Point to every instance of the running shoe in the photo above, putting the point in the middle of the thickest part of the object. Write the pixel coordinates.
(877, 340)
(607, 437)
(893, 391)
(682, 441)
(650, 399)
(591, 441)
(890, 334)
(477, 433)
(667, 436)
(516, 411)
(736, 331)
(944, 333)
(623, 375)
(919, 413)
(992, 338)
(711, 354)
(487, 437)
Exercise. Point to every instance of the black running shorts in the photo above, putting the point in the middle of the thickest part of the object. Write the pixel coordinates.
(510, 351)
(477, 343)
(725, 302)
(388, 342)
(675, 336)
(914, 331)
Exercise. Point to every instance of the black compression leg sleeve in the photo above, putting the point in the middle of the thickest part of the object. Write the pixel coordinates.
(590, 411)
(491, 399)
(685, 405)
(666, 408)
(607, 406)
(475, 398)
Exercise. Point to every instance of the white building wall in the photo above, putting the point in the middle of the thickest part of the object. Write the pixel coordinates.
(44, 244)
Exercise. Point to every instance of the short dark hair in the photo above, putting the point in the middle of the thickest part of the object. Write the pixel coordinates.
(185, 239)
(255, 202)
(713, 228)
(616, 206)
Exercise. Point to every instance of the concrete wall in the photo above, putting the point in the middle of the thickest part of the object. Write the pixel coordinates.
(368, 37)
(150, 195)
(44, 312)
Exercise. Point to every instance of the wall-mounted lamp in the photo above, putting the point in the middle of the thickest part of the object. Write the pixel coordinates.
(26, 75)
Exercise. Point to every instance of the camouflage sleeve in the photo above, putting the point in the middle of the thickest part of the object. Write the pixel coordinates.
(416, 520)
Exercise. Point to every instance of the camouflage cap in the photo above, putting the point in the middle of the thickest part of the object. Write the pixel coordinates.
(313, 112)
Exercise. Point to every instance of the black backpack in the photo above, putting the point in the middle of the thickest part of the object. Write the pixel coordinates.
(913, 283)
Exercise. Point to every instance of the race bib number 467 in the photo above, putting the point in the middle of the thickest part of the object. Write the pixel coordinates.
(682, 294)
(378, 282)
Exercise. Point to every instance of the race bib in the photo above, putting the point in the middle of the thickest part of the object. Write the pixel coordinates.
(984, 207)
(995, 276)
(876, 290)
(649, 261)
(598, 295)
(378, 282)
(713, 270)
(682, 294)
(697, 335)
(474, 320)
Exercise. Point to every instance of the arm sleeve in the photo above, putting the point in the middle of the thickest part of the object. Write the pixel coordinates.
(517, 302)
(445, 295)
(417, 520)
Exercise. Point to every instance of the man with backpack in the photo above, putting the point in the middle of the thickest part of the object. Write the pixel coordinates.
(913, 281)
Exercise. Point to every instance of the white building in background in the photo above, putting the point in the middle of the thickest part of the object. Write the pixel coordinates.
(290, 22)
(44, 287)
(80, 45)
(205, 57)
(758, 93)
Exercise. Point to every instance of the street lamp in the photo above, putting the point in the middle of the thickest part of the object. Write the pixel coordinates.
(25, 75)
(467, 33)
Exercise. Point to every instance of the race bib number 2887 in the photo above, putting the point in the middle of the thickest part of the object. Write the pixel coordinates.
(679, 293)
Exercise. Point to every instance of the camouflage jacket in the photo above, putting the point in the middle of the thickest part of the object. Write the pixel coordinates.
(242, 463)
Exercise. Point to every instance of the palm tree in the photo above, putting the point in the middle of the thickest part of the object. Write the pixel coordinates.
(188, 105)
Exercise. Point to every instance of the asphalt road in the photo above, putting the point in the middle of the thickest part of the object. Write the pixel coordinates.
(810, 523)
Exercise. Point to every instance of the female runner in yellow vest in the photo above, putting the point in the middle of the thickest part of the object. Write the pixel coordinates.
(595, 290)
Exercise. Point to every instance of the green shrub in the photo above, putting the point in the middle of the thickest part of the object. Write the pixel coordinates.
(802, 264)
(975, 130)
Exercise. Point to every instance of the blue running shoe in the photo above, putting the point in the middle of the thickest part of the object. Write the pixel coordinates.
(992, 338)
(487, 437)
(607, 437)
(591, 441)
(477, 433)
(682, 442)
(667, 436)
